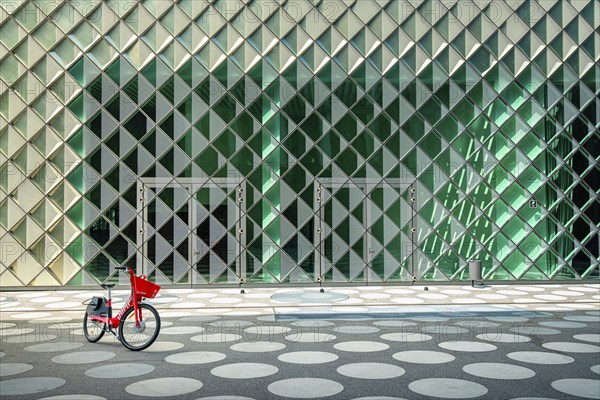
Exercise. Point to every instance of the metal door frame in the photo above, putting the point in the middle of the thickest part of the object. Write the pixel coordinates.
(369, 184)
(192, 185)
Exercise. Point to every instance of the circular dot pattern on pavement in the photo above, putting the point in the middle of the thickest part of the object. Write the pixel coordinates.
(424, 357)
(370, 371)
(540, 357)
(305, 388)
(83, 357)
(115, 371)
(448, 388)
(8, 369)
(244, 370)
(586, 388)
(163, 387)
(21, 386)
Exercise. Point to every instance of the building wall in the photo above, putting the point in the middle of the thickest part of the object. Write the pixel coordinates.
(298, 141)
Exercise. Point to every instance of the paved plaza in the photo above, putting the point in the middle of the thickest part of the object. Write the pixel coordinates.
(490, 342)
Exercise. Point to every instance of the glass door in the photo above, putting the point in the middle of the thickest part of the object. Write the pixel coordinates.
(164, 236)
(365, 231)
(217, 234)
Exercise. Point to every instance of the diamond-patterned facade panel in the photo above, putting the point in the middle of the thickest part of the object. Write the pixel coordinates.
(299, 141)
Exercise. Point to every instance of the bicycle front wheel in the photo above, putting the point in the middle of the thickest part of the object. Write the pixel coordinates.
(92, 330)
(138, 338)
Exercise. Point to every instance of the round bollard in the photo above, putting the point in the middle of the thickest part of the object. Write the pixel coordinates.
(474, 271)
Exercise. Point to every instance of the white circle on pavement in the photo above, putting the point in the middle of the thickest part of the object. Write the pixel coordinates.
(534, 330)
(174, 314)
(395, 323)
(216, 338)
(478, 324)
(308, 357)
(358, 329)
(63, 304)
(195, 357)
(181, 330)
(163, 387)
(33, 337)
(370, 371)
(587, 388)
(407, 300)
(201, 295)
(503, 337)
(8, 369)
(19, 386)
(447, 388)
(432, 296)
(571, 347)
(46, 299)
(549, 297)
(469, 347)
(258, 347)
(540, 357)
(596, 369)
(512, 292)
(576, 288)
(400, 291)
(230, 324)
(406, 337)
(529, 288)
(430, 318)
(444, 329)
(244, 370)
(158, 347)
(361, 346)
(224, 300)
(582, 318)
(508, 319)
(53, 347)
(424, 357)
(225, 398)
(83, 357)
(588, 337)
(310, 337)
(75, 397)
(567, 293)
(179, 291)
(34, 315)
(200, 318)
(455, 291)
(32, 295)
(375, 296)
(498, 371)
(491, 296)
(124, 370)
(267, 330)
(312, 324)
(305, 388)
(563, 324)
(188, 304)
(379, 398)
(164, 300)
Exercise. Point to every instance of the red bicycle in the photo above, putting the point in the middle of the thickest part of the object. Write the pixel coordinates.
(138, 323)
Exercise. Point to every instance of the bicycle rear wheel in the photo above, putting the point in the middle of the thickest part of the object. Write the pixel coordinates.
(138, 338)
(92, 330)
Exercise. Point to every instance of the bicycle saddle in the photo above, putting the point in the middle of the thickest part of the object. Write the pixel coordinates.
(108, 286)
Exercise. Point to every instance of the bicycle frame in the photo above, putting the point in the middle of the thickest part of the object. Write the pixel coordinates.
(132, 301)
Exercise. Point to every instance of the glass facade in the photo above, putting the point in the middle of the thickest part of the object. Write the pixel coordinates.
(298, 141)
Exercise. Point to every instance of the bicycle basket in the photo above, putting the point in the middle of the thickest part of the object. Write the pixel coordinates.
(145, 288)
